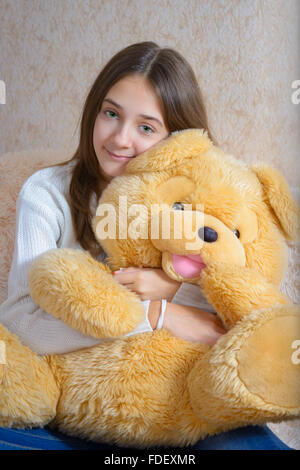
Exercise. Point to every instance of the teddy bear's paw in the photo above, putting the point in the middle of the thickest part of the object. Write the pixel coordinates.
(75, 288)
(252, 374)
(269, 360)
(28, 390)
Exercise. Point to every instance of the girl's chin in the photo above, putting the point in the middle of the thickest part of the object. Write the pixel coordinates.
(111, 172)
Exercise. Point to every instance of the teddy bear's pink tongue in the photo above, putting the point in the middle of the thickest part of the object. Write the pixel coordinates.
(188, 266)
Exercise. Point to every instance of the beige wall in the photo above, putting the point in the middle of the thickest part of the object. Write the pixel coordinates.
(245, 54)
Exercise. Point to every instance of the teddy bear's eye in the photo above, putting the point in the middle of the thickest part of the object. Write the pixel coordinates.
(177, 206)
(237, 233)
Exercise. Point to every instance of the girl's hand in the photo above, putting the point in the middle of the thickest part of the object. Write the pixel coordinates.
(188, 323)
(148, 283)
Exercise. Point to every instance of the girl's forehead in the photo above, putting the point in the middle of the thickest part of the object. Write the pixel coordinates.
(133, 86)
(135, 94)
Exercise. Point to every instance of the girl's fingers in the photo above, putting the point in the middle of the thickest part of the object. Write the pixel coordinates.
(127, 270)
(127, 275)
(124, 278)
(130, 287)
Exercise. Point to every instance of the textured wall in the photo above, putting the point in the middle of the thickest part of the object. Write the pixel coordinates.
(245, 54)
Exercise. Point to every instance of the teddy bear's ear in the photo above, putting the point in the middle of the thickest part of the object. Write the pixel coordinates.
(171, 151)
(280, 199)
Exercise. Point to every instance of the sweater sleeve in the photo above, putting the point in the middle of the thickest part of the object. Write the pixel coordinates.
(43, 222)
(38, 228)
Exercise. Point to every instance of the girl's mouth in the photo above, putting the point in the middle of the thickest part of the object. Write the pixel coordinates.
(118, 157)
(188, 266)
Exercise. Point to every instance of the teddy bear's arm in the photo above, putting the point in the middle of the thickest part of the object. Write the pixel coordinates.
(236, 291)
(72, 286)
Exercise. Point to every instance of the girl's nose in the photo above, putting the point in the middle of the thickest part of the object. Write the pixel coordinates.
(123, 137)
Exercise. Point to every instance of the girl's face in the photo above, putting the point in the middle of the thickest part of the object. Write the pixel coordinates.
(130, 121)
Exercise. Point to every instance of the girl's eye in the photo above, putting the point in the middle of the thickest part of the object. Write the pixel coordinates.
(110, 114)
(237, 233)
(147, 129)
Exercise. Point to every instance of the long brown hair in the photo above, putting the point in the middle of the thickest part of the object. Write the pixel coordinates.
(176, 85)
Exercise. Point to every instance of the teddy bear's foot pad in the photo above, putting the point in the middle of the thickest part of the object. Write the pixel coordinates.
(267, 362)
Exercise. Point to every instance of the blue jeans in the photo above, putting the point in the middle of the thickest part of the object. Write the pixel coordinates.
(247, 438)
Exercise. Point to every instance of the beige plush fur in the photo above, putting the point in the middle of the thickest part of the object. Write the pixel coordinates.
(152, 388)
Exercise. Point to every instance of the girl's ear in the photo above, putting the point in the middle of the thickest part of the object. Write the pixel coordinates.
(171, 151)
(279, 197)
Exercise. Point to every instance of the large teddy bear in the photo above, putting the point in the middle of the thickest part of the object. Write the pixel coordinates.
(226, 225)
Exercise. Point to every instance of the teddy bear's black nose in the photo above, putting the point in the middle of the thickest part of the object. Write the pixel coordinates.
(207, 234)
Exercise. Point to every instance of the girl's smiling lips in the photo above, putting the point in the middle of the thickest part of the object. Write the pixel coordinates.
(118, 157)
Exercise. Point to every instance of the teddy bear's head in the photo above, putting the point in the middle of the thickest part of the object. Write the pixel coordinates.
(185, 203)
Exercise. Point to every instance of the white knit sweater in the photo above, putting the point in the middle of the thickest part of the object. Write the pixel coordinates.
(44, 222)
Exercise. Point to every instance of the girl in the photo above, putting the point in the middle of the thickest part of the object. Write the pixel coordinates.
(142, 95)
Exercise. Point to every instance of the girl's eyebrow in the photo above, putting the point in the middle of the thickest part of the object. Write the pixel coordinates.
(113, 102)
(144, 116)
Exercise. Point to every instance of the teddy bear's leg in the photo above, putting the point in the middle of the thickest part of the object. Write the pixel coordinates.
(224, 288)
(77, 289)
(28, 390)
(252, 374)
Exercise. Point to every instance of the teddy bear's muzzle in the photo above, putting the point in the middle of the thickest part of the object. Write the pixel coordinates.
(191, 240)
